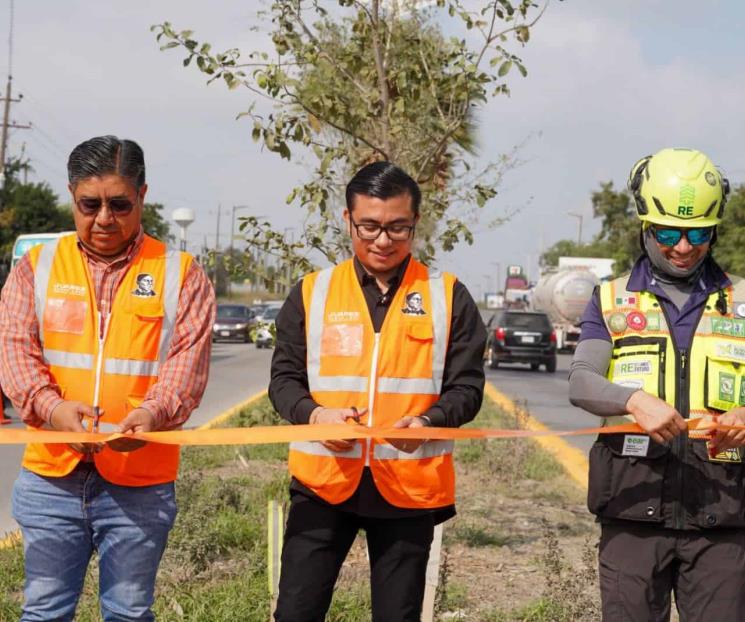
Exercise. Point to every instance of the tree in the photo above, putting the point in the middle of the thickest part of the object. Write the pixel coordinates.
(618, 238)
(728, 249)
(28, 208)
(154, 224)
(368, 82)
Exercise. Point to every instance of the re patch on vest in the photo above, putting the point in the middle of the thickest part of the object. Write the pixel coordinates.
(635, 445)
(730, 327)
(632, 368)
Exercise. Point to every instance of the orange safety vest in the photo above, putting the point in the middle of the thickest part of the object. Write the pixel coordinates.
(394, 373)
(111, 365)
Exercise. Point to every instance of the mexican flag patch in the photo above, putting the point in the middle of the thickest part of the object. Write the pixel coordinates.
(625, 301)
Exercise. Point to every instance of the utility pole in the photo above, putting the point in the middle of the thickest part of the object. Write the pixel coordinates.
(8, 99)
(579, 225)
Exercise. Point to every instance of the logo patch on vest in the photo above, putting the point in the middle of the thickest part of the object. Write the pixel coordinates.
(617, 322)
(653, 320)
(144, 288)
(728, 326)
(636, 368)
(636, 320)
(625, 301)
(634, 445)
(414, 304)
(69, 289)
(343, 316)
(733, 454)
(731, 351)
(726, 387)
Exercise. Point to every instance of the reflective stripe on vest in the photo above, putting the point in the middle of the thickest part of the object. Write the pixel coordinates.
(41, 274)
(72, 360)
(131, 367)
(316, 448)
(359, 384)
(430, 449)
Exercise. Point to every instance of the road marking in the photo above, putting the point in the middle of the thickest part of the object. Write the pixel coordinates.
(233, 410)
(572, 459)
(14, 537)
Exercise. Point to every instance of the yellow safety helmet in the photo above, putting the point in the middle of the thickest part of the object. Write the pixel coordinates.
(678, 188)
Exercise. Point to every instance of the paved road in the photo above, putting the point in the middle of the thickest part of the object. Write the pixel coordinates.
(237, 372)
(545, 396)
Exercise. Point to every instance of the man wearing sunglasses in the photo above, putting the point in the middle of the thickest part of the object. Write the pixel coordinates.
(659, 346)
(380, 340)
(88, 345)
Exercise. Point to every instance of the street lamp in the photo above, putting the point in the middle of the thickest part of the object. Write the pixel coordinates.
(579, 224)
(183, 217)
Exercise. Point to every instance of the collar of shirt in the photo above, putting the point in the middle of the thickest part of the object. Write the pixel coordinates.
(368, 279)
(713, 278)
(132, 250)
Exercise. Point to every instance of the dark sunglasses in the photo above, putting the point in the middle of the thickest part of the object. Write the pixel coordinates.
(695, 237)
(117, 206)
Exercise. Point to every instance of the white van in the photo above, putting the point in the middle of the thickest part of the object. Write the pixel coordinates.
(27, 241)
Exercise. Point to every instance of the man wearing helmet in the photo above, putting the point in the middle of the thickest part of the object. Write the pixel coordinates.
(658, 346)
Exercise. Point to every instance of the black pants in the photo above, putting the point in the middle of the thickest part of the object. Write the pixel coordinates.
(640, 565)
(317, 540)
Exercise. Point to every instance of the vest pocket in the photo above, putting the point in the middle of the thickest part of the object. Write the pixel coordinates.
(717, 491)
(724, 384)
(627, 487)
(639, 363)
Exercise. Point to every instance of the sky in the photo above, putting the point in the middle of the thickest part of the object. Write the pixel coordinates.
(608, 82)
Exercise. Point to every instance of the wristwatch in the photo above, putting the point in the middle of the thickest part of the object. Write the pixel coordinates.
(427, 420)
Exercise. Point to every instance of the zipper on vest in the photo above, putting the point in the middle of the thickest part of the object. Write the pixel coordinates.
(103, 329)
(372, 384)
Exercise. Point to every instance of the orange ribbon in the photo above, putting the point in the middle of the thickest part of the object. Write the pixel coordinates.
(323, 432)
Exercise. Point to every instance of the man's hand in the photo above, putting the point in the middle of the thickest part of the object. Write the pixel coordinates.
(336, 415)
(727, 439)
(67, 416)
(655, 416)
(138, 420)
(409, 445)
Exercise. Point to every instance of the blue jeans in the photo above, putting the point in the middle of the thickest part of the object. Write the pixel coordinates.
(64, 519)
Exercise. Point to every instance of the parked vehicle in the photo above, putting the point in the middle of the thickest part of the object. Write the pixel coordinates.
(563, 296)
(26, 241)
(521, 337)
(266, 330)
(233, 322)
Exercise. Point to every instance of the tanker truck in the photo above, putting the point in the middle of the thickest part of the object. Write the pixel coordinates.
(563, 296)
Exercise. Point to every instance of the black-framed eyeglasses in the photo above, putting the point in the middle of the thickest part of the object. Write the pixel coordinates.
(119, 206)
(371, 231)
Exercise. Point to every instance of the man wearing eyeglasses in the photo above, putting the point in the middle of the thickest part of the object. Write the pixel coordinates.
(380, 340)
(106, 329)
(662, 345)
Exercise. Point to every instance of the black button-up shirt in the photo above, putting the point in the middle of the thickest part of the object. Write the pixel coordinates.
(462, 386)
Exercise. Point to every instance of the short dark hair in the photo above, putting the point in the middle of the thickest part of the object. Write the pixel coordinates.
(104, 155)
(383, 180)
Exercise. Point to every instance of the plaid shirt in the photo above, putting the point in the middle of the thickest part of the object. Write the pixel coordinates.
(25, 376)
